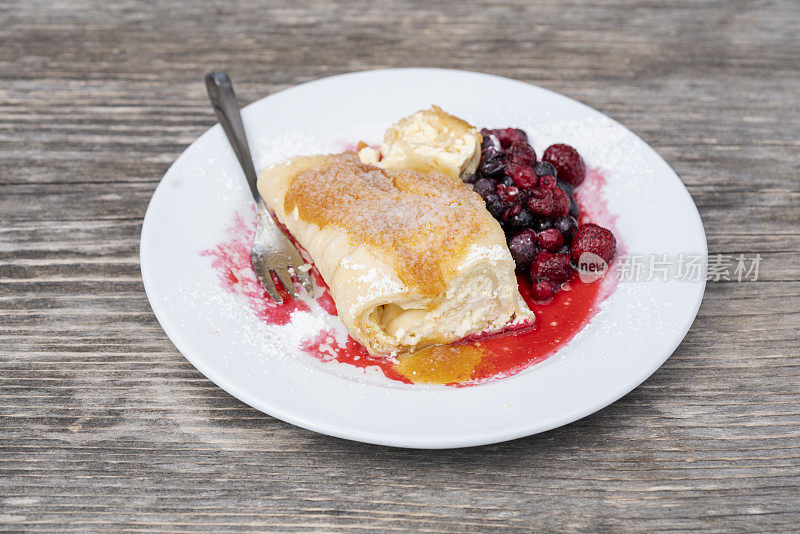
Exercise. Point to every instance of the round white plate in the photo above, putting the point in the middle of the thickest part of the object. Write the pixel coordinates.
(636, 330)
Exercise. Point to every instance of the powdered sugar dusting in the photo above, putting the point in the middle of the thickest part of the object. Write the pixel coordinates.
(477, 253)
(420, 222)
(231, 260)
(304, 325)
(374, 281)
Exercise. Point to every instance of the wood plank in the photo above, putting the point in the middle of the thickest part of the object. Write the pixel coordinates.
(104, 426)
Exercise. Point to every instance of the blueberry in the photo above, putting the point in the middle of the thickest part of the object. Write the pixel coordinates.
(495, 205)
(574, 210)
(542, 224)
(489, 140)
(492, 166)
(567, 225)
(521, 153)
(491, 152)
(542, 168)
(507, 181)
(564, 250)
(521, 220)
(484, 186)
(550, 240)
(523, 248)
(521, 134)
(567, 187)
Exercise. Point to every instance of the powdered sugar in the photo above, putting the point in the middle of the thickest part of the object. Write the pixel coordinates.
(477, 253)
(419, 222)
(374, 281)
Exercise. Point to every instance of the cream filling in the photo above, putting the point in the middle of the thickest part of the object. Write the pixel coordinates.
(476, 301)
(429, 140)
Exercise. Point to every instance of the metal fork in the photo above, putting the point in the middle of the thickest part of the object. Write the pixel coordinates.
(273, 252)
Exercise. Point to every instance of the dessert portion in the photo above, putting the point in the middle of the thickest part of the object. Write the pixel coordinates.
(411, 258)
(430, 140)
(416, 260)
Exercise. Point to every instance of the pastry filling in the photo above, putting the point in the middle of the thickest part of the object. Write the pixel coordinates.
(429, 141)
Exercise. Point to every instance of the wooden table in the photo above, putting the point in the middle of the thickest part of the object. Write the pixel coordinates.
(105, 426)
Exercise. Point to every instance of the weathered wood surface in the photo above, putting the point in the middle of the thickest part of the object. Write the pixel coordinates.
(105, 426)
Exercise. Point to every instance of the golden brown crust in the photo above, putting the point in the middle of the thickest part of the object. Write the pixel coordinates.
(422, 223)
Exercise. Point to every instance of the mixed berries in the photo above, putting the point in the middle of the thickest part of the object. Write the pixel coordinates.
(534, 201)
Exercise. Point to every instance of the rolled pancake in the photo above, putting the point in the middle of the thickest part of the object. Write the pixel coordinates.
(411, 259)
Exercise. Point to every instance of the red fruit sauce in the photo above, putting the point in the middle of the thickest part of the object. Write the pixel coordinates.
(464, 363)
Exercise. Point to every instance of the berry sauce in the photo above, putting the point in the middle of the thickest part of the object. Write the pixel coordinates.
(464, 363)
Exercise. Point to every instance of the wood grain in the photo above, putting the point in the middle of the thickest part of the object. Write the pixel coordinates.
(104, 426)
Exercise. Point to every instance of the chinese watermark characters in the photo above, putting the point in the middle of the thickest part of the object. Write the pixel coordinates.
(687, 267)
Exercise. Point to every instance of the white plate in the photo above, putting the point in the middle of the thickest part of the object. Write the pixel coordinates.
(637, 329)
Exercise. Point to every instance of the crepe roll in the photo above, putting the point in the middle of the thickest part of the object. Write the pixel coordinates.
(411, 258)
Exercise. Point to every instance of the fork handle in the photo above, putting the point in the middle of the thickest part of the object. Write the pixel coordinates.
(220, 92)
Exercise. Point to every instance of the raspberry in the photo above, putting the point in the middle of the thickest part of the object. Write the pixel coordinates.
(506, 136)
(547, 181)
(595, 239)
(552, 267)
(523, 248)
(525, 178)
(541, 290)
(568, 163)
(550, 240)
(519, 155)
(549, 202)
(514, 210)
(522, 153)
(507, 193)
